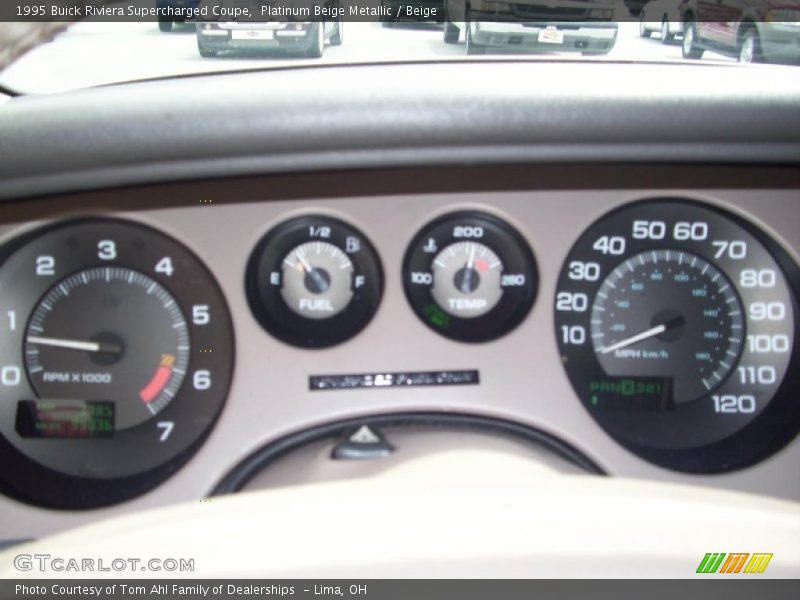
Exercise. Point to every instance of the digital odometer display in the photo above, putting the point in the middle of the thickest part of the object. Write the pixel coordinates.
(65, 419)
(677, 325)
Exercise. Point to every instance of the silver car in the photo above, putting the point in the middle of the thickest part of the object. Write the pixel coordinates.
(662, 16)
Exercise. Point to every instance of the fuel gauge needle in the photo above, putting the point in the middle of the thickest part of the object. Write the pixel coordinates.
(304, 263)
(74, 344)
(318, 279)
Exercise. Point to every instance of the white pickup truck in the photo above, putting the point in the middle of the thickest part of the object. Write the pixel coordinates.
(584, 26)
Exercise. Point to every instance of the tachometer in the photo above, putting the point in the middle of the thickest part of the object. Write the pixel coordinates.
(677, 325)
(116, 360)
(72, 354)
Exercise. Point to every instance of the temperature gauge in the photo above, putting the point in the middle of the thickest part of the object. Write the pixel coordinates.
(470, 276)
(466, 279)
(314, 281)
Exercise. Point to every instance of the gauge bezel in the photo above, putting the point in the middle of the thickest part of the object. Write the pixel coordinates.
(777, 423)
(28, 480)
(269, 307)
(513, 251)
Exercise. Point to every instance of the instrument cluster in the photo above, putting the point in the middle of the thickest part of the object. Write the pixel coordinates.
(676, 323)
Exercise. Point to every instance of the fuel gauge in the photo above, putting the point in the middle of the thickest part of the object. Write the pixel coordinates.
(317, 280)
(314, 281)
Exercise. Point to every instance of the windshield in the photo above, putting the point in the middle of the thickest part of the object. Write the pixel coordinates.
(118, 41)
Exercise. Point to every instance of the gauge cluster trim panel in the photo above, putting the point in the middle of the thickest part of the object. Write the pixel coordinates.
(521, 375)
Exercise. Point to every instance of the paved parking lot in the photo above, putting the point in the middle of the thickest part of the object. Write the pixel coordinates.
(98, 53)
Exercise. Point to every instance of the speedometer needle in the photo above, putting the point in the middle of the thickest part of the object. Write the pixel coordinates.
(648, 333)
(74, 344)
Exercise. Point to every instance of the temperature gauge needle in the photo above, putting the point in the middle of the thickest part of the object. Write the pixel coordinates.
(466, 284)
(644, 335)
(75, 345)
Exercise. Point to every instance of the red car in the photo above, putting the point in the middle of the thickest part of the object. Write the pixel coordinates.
(752, 30)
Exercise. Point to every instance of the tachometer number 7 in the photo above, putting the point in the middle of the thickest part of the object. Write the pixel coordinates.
(166, 427)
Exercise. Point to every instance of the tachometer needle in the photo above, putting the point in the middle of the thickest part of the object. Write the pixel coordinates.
(74, 345)
(648, 333)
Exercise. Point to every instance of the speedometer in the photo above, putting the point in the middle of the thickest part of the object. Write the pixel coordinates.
(677, 325)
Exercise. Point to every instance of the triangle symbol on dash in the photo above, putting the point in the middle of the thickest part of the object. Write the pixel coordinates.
(364, 435)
